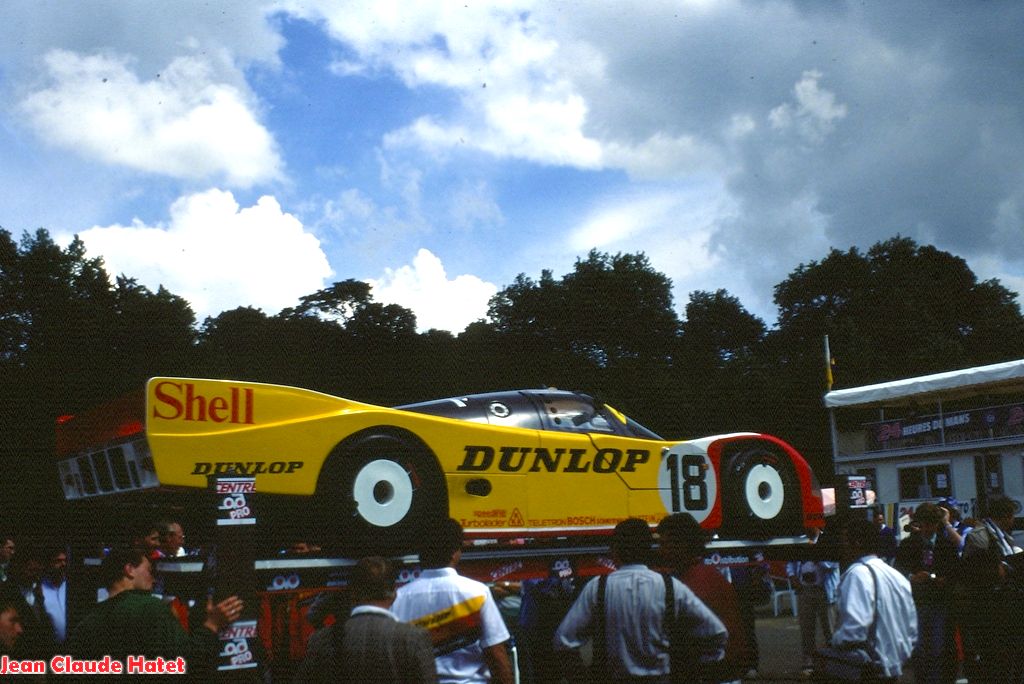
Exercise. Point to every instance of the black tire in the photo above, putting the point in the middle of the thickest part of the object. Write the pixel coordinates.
(761, 494)
(379, 492)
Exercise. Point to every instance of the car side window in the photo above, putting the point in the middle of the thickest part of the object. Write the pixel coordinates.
(571, 413)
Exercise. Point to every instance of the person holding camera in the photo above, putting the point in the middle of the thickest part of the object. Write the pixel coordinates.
(929, 559)
(992, 600)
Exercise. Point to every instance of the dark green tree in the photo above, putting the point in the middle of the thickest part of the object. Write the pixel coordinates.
(607, 327)
(719, 331)
(610, 309)
(898, 310)
(901, 309)
(69, 341)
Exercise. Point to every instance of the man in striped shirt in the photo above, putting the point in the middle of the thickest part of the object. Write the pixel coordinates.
(467, 630)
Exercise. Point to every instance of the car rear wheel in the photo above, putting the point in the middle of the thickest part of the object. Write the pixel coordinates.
(380, 492)
(762, 496)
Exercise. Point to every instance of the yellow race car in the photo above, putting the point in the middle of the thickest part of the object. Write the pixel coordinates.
(517, 464)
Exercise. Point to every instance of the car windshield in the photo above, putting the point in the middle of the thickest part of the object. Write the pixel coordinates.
(633, 428)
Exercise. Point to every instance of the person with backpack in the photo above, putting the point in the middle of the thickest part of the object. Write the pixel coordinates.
(876, 606)
(633, 615)
(682, 543)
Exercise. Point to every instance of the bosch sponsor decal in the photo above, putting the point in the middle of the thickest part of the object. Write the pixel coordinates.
(513, 459)
(180, 401)
(588, 521)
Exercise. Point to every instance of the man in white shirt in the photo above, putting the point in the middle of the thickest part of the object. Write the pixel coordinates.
(467, 630)
(637, 634)
(890, 608)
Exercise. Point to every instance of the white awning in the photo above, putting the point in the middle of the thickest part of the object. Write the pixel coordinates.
(994, 379)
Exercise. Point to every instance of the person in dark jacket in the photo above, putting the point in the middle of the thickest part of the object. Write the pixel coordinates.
(682, 544)
(371, 645)
(929, 559)
(992, 597)
(133, 622)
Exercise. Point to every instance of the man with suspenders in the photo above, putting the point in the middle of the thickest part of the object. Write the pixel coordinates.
(633, 614)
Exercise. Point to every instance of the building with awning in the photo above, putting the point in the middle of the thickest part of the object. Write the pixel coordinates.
(954, 434)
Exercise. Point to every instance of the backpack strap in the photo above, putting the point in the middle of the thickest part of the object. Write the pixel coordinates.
(872, 630)
(599, 639)
(669, 622)
(670, 598)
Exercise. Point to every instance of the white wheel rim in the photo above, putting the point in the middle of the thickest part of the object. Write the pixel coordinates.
(764, 491)
(383, 493)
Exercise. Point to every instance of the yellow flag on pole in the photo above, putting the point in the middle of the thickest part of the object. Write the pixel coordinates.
(829, 362)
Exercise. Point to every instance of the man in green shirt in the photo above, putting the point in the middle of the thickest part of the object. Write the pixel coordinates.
(133, 622)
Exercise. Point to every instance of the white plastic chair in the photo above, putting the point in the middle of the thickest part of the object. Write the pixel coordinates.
(782, 588)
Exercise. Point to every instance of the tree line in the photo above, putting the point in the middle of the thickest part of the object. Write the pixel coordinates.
(71, 338)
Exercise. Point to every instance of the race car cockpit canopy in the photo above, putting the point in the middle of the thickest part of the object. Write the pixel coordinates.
(551, 409)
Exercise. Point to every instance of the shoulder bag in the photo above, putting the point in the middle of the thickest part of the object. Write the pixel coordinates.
(852, 662)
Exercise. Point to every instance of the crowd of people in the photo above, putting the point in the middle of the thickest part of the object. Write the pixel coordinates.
(946, 597)
(39, 620)
(686, 624)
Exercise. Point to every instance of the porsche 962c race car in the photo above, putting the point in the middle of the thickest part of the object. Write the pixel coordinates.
(528, 463)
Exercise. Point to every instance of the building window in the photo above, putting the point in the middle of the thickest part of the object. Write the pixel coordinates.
(988, 473)
(925, 482)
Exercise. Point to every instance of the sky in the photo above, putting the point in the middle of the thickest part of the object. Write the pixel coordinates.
(247, 153)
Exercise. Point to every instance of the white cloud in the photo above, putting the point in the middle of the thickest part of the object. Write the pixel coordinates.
(663, 157)
(673, 227)
(232, 34)
(815, 112)
(217, 255)
(180, 123)
(516, 98)
(437, 301)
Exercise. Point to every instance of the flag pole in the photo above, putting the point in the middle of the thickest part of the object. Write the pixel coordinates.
(831, 411)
